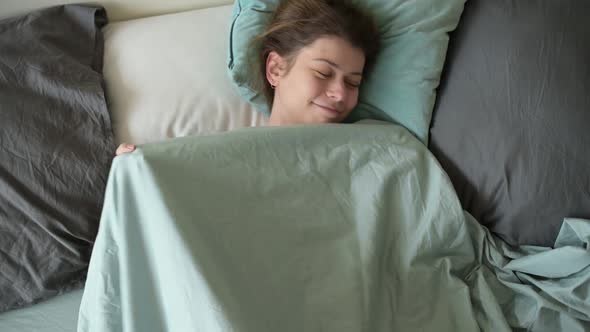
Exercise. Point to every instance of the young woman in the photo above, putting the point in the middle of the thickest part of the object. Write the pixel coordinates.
(313, 58)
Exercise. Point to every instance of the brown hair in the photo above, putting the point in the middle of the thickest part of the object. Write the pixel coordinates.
(298, 23)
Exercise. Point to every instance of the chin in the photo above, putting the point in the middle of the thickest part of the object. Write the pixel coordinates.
(322, 120)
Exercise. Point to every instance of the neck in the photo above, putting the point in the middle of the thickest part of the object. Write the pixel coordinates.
(275, 119)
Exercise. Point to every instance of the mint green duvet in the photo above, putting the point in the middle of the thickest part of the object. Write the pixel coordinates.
(320, 228)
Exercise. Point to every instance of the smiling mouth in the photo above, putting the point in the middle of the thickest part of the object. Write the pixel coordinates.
(329, 109)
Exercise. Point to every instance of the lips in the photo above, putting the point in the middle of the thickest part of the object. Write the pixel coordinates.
(328, 108)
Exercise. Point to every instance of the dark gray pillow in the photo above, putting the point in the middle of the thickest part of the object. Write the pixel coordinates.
(56, 146)
(512, 121)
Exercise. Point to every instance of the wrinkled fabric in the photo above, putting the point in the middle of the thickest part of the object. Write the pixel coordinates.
(312, 228)
(511, 125)
(56, 147)
(58, 314)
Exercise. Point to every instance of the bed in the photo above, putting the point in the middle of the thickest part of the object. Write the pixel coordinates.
(219, 223)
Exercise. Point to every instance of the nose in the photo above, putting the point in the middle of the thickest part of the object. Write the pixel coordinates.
(336, 90)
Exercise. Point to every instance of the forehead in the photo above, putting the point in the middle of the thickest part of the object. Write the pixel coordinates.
(335, 50)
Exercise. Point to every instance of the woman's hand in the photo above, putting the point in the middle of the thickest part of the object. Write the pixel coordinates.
(124, 148)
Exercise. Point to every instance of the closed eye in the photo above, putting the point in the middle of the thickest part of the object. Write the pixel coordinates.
(326, 75)
(322, 75)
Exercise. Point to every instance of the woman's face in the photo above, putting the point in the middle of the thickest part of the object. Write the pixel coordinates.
(322, 86)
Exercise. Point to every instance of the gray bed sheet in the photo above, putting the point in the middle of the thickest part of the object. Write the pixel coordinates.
(59, 314)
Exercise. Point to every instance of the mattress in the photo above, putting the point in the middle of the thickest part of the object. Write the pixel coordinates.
(57, 314)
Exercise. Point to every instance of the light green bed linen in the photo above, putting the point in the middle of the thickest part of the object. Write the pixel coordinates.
(318, 228)
(59, 314)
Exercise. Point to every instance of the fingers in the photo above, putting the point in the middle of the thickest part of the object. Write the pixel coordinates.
(124, 148)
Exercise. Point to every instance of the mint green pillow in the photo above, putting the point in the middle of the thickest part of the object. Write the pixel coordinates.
(401, 88)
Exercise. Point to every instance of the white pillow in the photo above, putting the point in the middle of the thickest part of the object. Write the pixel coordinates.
(166, 77)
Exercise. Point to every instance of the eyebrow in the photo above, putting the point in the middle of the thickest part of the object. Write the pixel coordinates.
(336, 66)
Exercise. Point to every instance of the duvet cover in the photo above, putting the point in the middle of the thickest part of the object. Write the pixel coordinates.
(349, 227)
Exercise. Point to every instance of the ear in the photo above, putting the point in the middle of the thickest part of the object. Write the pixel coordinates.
(275, 65)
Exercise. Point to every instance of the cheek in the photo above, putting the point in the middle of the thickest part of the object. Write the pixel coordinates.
(290, 91)
(313, 87)
(302, 88)
(352, 99)
(307, 90)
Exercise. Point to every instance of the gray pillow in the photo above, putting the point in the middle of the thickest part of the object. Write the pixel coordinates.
(56, 146)
(512, 121)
